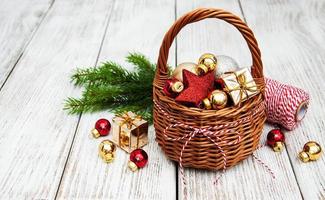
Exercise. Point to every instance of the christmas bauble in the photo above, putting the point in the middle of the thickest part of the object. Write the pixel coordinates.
(225, 64)
(202, 69)
(173, 87)
(311, 151)
(107, 150)
(139, 157)
(132, 166)
(209, 61)
(102, 128)
(275, 139)
(218, 99)
(206, 104)
(219, 84)
(178, 72)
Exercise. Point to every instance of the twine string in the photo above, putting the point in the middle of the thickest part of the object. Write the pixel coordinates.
(210, 133)
(264, 165)
(213, 133)
(195, 132)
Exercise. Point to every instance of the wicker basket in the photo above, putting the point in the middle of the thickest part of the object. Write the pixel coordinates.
(208, 139)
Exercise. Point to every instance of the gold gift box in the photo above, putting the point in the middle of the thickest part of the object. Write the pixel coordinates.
(240, 85)
(130, 131)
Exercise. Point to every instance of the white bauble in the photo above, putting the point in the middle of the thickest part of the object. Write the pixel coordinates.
(178, 72)
(225, 64)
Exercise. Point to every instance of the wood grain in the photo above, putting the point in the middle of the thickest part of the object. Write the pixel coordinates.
(47, 154)
(18, 21)
(291, 39)
(248, 180)
(134, 26)
(36, 134)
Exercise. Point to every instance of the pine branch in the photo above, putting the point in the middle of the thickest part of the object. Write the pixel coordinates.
(142, 64)
(111, 87)
(108, 73)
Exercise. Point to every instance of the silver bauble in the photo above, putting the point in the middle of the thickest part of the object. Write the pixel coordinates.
(225, 64)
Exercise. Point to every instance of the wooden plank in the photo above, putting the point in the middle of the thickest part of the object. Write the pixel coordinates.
(134, 26)
(247, 180)
(36, 134)
(18, 21)
(291, 35)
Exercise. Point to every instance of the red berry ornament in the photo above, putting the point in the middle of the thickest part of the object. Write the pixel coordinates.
(138, 159)
(102, 128)
(275, 139)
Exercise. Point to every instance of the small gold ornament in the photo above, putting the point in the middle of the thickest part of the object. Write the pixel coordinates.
(206, 104)
(218, 99)
(278, 146)
(132, 166)
(107, 151)
(209, 60)
(95, 133)
(177, 87)
(178, 72)
(311, 151)
(201, 69)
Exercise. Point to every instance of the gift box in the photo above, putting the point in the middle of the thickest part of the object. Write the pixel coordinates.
(130, 131)
(240, 85)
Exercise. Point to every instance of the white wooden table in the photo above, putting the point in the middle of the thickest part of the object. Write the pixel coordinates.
(46, 153)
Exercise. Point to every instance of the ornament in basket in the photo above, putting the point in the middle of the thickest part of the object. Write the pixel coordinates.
(210, 139)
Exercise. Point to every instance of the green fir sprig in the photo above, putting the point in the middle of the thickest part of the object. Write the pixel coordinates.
(111, 87)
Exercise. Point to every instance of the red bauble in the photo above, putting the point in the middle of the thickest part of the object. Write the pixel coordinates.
(196, 88)
(103, 126)
(219, 83)
(139, 157)
(275, 135)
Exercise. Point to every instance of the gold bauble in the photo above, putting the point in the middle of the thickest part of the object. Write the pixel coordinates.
(278, 147)
(132, 166)
(177, 87)
(209, 60)
(311, 151)
(206, 104)
(303, 156)
(107, 150)
(201, 69)
(178, 72)
(218, 99)
(95, 133)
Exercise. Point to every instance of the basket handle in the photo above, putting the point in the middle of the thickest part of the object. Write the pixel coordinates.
(198, 15)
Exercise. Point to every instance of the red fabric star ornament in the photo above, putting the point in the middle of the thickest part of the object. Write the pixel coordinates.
(196, 88)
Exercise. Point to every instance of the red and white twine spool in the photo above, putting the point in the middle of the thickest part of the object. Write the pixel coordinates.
(286, 105)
